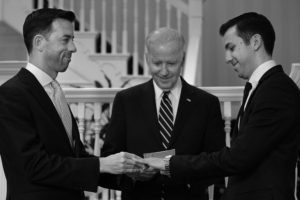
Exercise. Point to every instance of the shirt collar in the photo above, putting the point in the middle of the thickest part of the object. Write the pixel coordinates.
(43, 78)
(175, 91)
(260, 71)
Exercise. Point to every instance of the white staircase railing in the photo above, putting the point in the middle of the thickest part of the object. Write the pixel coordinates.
(92, 107)
(123, 25)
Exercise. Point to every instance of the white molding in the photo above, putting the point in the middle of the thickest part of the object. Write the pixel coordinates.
(9, 68)
(74, 95)
(225, 94)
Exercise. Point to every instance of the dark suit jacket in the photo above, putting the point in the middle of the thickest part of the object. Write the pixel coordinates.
(38, 161)
(134, 128)
(262, 158)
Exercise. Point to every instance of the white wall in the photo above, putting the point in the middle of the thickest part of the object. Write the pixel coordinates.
(284, 15)
(1, 10)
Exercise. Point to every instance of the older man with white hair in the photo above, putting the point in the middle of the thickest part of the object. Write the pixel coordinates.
(164, 116)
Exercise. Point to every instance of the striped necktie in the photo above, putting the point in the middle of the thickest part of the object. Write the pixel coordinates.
(165, 119)
(62, 108)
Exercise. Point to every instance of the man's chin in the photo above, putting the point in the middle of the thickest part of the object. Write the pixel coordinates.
(166, 86)
(64, 69)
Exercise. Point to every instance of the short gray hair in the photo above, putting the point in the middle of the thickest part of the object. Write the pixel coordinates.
(163, 36)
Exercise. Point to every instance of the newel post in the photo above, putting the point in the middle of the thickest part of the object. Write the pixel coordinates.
(194, 49)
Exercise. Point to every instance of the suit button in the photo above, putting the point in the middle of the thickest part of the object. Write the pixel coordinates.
(188, 185)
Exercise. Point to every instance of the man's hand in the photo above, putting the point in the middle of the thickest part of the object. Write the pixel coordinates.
(146, 174)
(121, 163)
(155, 163)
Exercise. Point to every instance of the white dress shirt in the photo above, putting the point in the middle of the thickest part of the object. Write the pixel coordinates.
(257, 74)
(43, 78)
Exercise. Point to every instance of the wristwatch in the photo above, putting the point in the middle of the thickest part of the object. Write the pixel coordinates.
(166, 171)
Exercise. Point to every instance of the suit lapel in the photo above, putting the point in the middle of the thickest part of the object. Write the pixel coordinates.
(270, 72)
(38, 92)
(276, 69)
(185, 107)
(147, 102)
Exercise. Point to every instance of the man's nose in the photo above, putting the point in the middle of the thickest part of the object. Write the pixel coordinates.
(228, 57)
(72, 47)
(164, 69)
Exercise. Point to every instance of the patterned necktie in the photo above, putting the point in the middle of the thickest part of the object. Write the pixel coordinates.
(165, 119)
(62, 108)
(247, 89)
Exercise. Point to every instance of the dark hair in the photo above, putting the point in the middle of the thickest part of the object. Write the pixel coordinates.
(249, 24)
(40, 22)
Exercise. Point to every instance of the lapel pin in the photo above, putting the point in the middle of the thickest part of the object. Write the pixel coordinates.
(189, 100)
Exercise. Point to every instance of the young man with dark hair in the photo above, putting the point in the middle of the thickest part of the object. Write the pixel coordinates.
(261, 160)
(42, 155)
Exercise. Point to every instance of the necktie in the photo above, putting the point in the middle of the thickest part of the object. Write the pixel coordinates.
(165, 119)
(247, 89)
(62, 108)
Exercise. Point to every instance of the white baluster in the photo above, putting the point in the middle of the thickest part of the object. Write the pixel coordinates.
(92, 16)
(211, 189)
(61, 4)
(114, 27)
(51, 3)
(103, 32)
(147, 27)
(110, 108)
(168, 15)
(118, 195)
(135, 45)
(82, 17)
(40, 4)
(72, 5)
(105, 194)
(112, 195)
(179, 17)
(97, 129)
(80, 115)
(97, 114)
(157, 19)
(147, 24)
(125, 32)
(227, 118)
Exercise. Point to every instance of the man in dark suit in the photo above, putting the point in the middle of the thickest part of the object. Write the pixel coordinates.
(191, 122)
(42, 155)
(262, 158)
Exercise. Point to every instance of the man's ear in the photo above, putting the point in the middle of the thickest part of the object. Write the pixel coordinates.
(256, 41)
(183, 58)
(38, 42)
(147, 57)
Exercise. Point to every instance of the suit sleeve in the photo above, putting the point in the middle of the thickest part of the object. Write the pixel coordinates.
(114, 142)
(23, 149)
(214, 137)
(272, 116)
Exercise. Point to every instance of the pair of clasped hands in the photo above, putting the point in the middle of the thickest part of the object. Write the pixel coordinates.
(137, 168)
